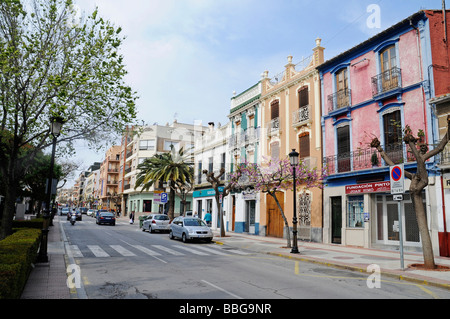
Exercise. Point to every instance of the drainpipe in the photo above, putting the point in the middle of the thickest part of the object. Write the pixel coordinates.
(445, 239)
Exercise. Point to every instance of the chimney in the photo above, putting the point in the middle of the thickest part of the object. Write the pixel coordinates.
(211, 126)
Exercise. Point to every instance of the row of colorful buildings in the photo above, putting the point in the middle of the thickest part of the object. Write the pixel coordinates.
(328, 110)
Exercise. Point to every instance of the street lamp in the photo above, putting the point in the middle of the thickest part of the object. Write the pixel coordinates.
(293, 158)
(55, 129)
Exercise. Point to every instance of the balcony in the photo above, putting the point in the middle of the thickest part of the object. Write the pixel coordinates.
(301, 116)
(365, 159)
(387, 82)
(273, 127)
(339, 100)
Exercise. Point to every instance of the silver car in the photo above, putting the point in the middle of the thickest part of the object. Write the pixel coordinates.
(190, 228)
(156, 222)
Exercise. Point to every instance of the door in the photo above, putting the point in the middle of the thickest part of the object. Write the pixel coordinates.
(275, 221)
(336, 220)
(233, 211)
(343, 148)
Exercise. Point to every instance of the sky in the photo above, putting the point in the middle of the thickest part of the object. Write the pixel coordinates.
(185, 58)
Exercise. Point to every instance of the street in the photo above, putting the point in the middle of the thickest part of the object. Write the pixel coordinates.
(123, 262)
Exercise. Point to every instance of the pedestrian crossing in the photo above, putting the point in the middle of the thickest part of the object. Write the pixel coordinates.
(131, 250)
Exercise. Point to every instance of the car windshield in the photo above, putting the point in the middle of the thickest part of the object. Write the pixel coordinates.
(194, 222)
(161, 217)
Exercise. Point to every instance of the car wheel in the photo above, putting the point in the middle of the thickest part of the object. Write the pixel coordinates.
(150, 230)
(171, 235)
(184, 238)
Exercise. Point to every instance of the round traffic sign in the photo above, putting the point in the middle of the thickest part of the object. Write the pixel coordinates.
(396, 173)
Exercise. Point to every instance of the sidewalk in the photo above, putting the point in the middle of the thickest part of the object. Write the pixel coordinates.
(344, 257)
(48, 280)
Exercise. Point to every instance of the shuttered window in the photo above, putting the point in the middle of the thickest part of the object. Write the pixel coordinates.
(274, 108)
(304, 145)
(303, 97)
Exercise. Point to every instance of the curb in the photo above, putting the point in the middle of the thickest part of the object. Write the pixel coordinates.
(362, 270)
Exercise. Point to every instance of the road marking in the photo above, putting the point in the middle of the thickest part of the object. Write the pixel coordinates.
(212, 250)
(146, 250)
(76, 252)
(123, 251)
(97, 251)
(192, 250)
(168, 250)
(221, 289)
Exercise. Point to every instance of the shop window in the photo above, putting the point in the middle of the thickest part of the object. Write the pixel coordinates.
(355, 213)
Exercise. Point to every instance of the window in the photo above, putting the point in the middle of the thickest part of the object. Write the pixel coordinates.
(199, 176)
(275, 150)
(211, 165)
(393, 136)
(147, 145)
(303, 141)
(389, 71)
(303, 97)
(342, 92)
(168, 144)
(274, 109)
(222, 165)
(304, 204)
(343, 148)
(355, 213)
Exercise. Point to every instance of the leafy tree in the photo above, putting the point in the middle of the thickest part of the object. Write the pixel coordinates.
(419, 181)
(275, 175)
(174, 168)
(54, 66)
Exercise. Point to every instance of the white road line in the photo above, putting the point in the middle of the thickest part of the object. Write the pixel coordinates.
(97, 251)
(146, 250)
(212, 250)
(192, 250)
(168, 250)
(221, 289)
(123, 251)
(75, 251)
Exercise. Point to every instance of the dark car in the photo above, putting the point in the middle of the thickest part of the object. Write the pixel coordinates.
(106, 218)
(76, 212)
(100, 211)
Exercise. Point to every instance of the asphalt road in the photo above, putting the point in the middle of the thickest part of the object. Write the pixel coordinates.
(122, 262)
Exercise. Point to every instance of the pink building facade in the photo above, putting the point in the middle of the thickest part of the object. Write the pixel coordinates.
(373, 90)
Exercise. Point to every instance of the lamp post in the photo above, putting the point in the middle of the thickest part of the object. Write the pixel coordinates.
(293, 158)
(55, 129)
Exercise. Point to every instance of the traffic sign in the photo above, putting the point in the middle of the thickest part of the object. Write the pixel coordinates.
(397, 177)
(164, 197)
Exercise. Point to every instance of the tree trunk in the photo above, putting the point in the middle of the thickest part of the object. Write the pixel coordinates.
(171, 212)
(288, 232)
(8, 211)
(427, 247)
(220, 211)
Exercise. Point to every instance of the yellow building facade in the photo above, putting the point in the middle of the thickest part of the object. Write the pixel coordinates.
(291, 119)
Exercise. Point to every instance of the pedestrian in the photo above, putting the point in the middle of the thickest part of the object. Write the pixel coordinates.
(132, 217)
(208, 218)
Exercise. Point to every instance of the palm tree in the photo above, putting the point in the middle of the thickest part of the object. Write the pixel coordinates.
(174, 168)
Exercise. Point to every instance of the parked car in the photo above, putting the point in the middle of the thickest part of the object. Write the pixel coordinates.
(65, 211)
(77, 212)
(106, 218)
(156, 222)
(91, 212)
(190, 228)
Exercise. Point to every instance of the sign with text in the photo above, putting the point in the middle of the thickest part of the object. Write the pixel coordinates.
(397, 176)
(377, 187)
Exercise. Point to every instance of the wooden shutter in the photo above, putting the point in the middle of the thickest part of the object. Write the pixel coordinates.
(303, 96)
(274, 109)
(304, 145)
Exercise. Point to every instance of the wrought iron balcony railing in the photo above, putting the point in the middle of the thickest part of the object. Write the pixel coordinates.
(340, 99)
(365, 159)
(300, 116)
(387, 81)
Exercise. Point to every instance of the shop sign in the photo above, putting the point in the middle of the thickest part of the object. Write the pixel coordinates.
(376, 187)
